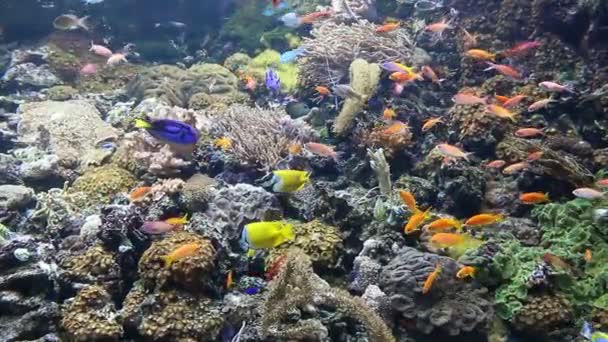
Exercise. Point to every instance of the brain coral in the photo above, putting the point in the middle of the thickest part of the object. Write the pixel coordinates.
(451, 305)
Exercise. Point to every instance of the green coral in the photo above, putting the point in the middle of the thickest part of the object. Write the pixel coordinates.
(364, 78)
(288, 72)
(568, 230)
(102, 183)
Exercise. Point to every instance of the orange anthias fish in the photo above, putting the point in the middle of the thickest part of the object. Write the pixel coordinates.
(482, 55)
(229, 280)
(387, 27)
(321, 150)
(533, 197)
(540, 104)
(416, 220)
(466, 271)
(312, 17)
(322, 90)
(502, 99)
(396, 127)
(430, 123)
(501, 112)
(467, 99)
(389, 114)
(513, 101)
(514, 168)
(528, 132)
(588, 256)
(452, 151)
(428, 283)
(429, 73)
(439, 27)
(409, 200)
(139, 193)
(181, 252)
(404, 77)
(505, 70)
(521, 48)
(536, 155)
(483, 219)
(443, 224)
(496, 164)
(457, 244)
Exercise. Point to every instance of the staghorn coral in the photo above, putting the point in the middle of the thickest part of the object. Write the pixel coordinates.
(102, 183)
(451, 305)
(191, 273)
(321, 242)
(333, 47)
(296, 286)
(260, 137)
(91, 316)
(364, 78)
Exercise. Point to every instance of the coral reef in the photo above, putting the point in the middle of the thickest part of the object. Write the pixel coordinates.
(102, 183)
(288, 72)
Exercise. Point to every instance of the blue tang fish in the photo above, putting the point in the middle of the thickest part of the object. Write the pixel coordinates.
(171, 131)
(291, 55)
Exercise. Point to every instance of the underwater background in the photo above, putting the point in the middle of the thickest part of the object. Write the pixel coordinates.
(304, 170)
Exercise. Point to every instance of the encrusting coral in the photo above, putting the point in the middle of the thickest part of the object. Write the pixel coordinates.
(100, 184)
(296, 286)
(94, 266)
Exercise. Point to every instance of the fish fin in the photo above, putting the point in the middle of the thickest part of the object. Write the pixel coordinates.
(185, 218)
(250, 253)
(287, 232)
(491, 66)
(141, 123)
(82, 22)
(167, 260)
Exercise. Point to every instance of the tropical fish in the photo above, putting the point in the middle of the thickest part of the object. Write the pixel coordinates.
(409, 200)
(430, 123)
(116, 59)
(514, 168)
(347, 92)
(396, 67)
(266, 234)
(470, 40)
(588, 256)
(250, 82)
(171, 131)
(444, 223)
(252, 290)
(139, 193)
(100, 50)
(387, 27)
(321, 150)
(521, 48)
(496, 164)
(324, 91)
(389, 114)
(177, 221)
(396, 127)
(501, 112)
(514, 101)
(452, 151)
(587, 193)
(555, 87)
(528, 132)
(603, 182)
(502, 99)
(439, 27)
(291, 55)
(416, 220)
(467, 99)
(272, 81)
(466, 271)
(181, 252)
(483, 219)
(223, 143)
(289, 180)
(559, 263)
(89, 69)
(68, 22)
(534, 155)
(457, 244)
(157, 227)
(404, 77)
(540, 104)
(428, 283)
(429, 73)
(533, 197)
(505, 70)
(480, 54)
(229, 280)
(312, 17)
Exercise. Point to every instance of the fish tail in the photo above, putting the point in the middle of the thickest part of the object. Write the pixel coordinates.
(82, 22)
(287, 232)
(491, 66)
(141, 123)
(167, 260)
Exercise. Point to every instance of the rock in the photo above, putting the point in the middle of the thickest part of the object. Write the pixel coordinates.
(61, 93)
(40, 169)
(29, 74)
(15, 196)
(73, 128)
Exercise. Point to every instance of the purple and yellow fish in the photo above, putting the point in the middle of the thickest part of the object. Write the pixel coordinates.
(170, 131)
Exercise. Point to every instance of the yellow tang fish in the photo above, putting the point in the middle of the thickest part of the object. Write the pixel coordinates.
(266, 234)
(289, 180)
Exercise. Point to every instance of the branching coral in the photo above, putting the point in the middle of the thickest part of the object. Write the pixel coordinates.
(297, 286)
(451, 305)
(333, 47)
(382, 169)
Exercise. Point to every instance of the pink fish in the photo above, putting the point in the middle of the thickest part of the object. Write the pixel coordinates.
(321, 150)
(555, 87)
(100, 50)
(117, 58)
(468, 99)
(528, 132)
(496, 164)
(398, 88)
(451, 151)
(157, 227)
(588, 193)
(88, 69)
(540, 104)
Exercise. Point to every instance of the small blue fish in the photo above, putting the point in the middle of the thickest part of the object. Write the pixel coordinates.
(269, 11)
(273, 83)
(170, 131)
(252, 290)
(291, 55)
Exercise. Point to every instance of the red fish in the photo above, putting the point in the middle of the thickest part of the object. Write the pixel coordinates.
(312, 17)
(387, 28)
(496, 164)
(521, 48)
(528, 132)
(505, 70)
